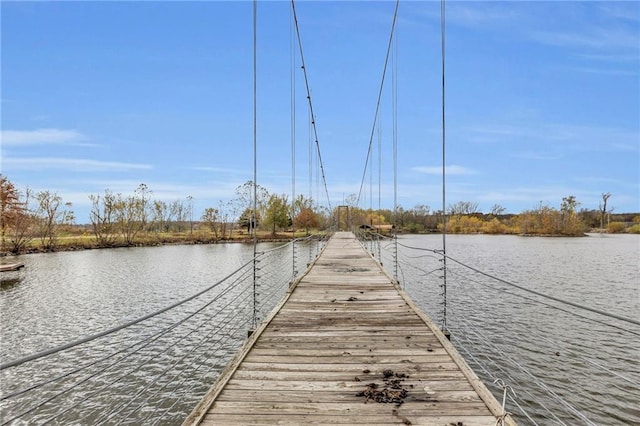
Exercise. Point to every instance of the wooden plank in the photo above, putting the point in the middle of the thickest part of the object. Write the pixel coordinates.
(285, 408)
(325, 396)
(373, 359)
(346, 336)
(384, 419)
(363, 370)
(430, 385)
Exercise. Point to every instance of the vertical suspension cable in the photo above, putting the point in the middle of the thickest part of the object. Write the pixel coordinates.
(394, 113)
(293, 143)
(313, 116)
(444, 208)
(375, 116)
(378, 219)
(379, 171)
(317, 158)
(370, 195)
(310, 158)
(254, 215)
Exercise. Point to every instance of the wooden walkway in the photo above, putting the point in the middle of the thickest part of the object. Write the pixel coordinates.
(347, 347)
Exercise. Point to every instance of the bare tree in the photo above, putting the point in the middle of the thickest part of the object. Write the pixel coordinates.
(603, 208)
(130, 214)
(180, 214)
(245, 203)
(9, 202)
(463, 208)
(50, 214)
(223, 215)
(497, 210)
(211, 220)
(190, 214)
(22, 222)
(161, 215)
(103, 216)
(143, 194)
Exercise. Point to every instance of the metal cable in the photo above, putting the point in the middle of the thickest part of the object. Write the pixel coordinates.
(444, 145)
(375, 116)
(255, 150)
(537, 293)
(539, 382)
(189, 390)
(86, 397)
(172, 366)
(550, 305)
(313, 115)
(113, 329)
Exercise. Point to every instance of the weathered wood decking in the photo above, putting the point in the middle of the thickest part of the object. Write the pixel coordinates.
(345, 339)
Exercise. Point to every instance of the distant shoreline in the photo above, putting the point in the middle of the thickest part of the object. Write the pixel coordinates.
(79, 243)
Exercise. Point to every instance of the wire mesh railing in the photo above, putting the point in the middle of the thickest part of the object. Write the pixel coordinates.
(564, 363)
(152, 370)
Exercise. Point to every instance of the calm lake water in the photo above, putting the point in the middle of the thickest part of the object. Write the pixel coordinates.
(595, 367)
(591, 361)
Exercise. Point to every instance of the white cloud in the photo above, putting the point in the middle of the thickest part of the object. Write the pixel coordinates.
(602, 71)
(531, 155)
(42, 137)
(70, 164)
(219, 169)
(450, 170)
(596, 38)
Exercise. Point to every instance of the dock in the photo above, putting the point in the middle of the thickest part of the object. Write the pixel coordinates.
(11, 267)
(347, 346)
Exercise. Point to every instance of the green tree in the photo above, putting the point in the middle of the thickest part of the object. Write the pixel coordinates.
(571, 223)
(249, 220)
(277, 213)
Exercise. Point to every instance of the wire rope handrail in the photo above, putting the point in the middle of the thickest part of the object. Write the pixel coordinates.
(113, 329)
(528, 290)
(479, 298)
(170, 346)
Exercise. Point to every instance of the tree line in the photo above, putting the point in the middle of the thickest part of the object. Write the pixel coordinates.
(117, 219)
(43, 218)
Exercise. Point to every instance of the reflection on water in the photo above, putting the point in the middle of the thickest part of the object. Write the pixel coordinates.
(6, 282)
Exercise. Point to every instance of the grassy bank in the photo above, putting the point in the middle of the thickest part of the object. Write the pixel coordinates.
(86, 241)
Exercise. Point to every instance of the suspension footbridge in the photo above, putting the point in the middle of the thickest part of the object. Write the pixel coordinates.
(347, 347)
(341, 342)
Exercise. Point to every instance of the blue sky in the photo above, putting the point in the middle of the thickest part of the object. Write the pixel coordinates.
(542, 100)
